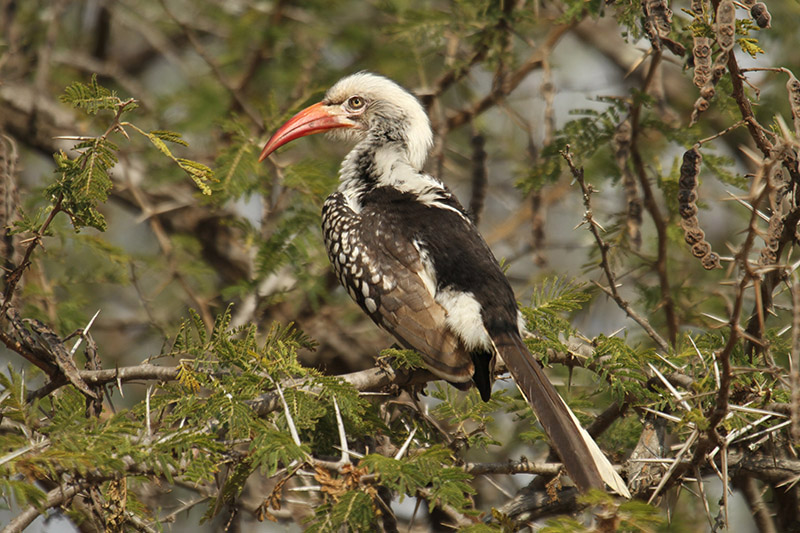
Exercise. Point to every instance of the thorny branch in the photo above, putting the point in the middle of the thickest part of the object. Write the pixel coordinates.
(603, 246)
(14, 277)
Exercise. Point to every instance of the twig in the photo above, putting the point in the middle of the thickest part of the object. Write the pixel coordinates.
(54, 498)
(345, 458)
(611, 290)
(755, 501)
(523, 466)
(512, 80)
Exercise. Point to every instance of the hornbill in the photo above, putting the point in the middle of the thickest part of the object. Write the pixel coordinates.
(409, 255)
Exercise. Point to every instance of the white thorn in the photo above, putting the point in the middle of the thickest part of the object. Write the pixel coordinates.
(698, 352)
(406, 444)
(85, 331)
(289, 420)
(674, 465)
(671, 418)
(670, 388)
(345, 458)
(147, 412)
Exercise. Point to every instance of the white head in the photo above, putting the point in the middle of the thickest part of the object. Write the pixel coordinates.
(364, 107)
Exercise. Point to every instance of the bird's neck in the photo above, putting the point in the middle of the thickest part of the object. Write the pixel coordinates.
(373, 163)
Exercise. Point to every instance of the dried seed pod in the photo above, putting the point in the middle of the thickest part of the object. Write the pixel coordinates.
(700, 106)
(748, 3)
(622, 149)
(701, 249)
(793, 87)
(701, 53)
(690, 168)
(761, 15)
(687, 196)
(711, 261)
(661, 15)
(697, 6)
(10, 248)
(726, 24)
(693, 235)
(687, 210)
(719, 67)
(479, 181)
(708, 92)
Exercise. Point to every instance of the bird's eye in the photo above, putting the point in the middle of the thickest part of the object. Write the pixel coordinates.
(355, 103)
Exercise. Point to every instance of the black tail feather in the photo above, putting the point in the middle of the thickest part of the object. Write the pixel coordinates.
(483, 374)
(587, 467)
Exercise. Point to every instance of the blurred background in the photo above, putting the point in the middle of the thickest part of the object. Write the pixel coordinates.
(506, 84)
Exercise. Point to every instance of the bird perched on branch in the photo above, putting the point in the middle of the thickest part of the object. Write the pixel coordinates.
(408, 254)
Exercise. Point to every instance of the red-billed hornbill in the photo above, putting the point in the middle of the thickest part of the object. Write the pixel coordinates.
(408, 254)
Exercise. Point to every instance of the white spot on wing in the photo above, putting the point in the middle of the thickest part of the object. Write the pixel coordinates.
(369, 303)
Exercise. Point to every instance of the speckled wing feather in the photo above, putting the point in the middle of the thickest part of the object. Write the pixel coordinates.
(384, 273)
(409, 312)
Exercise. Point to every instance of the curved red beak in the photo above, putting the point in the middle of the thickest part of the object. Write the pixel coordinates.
(313, 119)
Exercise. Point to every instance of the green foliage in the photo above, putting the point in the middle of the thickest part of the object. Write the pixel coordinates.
(591, 132)
(227, 74)
(200, 173)
(403, 359)
(432, 468)
(547, 316)
(353, 512)
(623, 366)
(92, 97)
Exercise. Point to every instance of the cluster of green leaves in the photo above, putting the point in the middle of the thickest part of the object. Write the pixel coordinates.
(84, 180)
(548, 314)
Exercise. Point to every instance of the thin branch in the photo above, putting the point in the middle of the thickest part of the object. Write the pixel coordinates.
(755, 501)
(611, 290)
(512, 81)
(55, 497)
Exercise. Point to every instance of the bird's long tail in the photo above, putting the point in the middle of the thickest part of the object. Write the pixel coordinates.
(584, 461)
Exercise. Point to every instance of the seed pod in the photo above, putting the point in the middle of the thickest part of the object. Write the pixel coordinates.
(690, 168)
(693, 235)
(761, 15)
(690, 223)
(687, 210)
(622, 149)
(479, 181)
(701, 249)
(708, 92)
(793, 86)
(697, 6)
(711, 261)
(700, 105)
(749, 3)
(661, 15)
(701, 52)
(719, 67)
(726, 24)
(687, 196)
